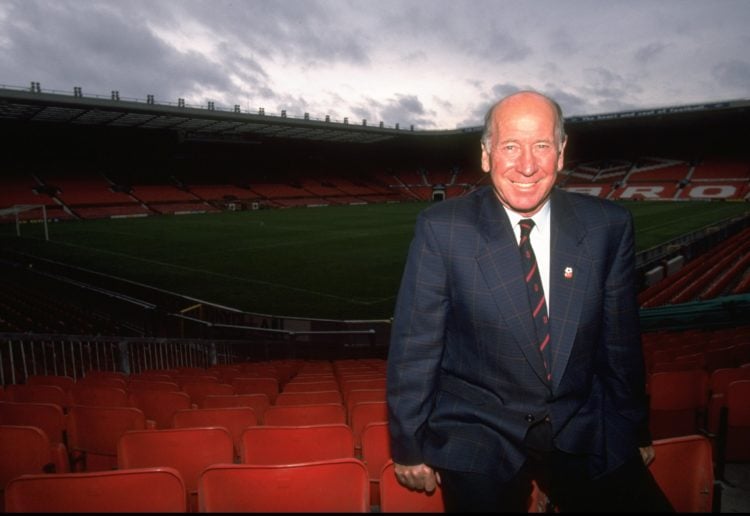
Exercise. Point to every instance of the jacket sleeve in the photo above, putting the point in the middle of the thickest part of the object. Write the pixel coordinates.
(625, 377)
(416, 343)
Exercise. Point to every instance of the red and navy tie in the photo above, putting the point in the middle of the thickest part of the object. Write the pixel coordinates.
(536, 294)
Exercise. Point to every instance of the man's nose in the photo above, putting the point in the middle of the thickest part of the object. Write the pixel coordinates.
(526, 163)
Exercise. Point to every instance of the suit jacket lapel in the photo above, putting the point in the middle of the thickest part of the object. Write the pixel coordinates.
(570, 269)
(500, 263)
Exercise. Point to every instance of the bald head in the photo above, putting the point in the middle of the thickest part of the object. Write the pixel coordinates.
(519, 101)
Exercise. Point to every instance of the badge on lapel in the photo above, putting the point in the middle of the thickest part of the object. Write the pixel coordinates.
(568, 274)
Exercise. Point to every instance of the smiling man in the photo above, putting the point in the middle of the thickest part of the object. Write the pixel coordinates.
(491, 385)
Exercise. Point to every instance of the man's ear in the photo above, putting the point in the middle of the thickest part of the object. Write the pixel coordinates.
(561, 154)
(485, 159)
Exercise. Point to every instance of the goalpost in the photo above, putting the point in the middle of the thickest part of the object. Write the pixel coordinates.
(21, 208)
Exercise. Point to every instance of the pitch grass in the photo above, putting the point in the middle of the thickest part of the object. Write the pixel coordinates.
(334, 262)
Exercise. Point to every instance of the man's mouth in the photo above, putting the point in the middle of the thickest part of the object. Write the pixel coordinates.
(524, 185)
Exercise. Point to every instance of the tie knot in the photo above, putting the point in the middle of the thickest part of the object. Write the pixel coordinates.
(526, 225)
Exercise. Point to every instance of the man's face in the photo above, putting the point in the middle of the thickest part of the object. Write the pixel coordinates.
(524, 156)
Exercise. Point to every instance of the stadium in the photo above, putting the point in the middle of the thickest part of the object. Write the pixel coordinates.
(206, 247)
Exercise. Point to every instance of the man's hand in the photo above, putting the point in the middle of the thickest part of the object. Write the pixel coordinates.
(419, 477)
(647, 454)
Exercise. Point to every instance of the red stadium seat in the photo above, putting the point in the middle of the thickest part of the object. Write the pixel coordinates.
(300, 415)
(258, 385)
(683, 468)
(308, 397)
(258, 402)
(677, 402)
(339, 485)
(375, 453)
(188, 450)
(234, 419)
(159, 405)
(23, 450)
(292, 444)
(133, 490)
(93, 433)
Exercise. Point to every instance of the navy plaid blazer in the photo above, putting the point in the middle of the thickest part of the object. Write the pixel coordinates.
(465, 378)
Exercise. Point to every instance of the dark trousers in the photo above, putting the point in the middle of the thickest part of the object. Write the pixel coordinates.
(564, 479)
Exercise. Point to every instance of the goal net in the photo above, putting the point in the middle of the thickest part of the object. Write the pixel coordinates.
(25, 213)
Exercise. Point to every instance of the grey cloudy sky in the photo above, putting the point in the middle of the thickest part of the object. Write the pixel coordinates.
(436, 64)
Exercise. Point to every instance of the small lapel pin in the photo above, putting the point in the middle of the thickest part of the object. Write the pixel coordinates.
(568, 273)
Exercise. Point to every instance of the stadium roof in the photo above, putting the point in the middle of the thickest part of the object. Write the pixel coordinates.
(39, 106)
(207, 123)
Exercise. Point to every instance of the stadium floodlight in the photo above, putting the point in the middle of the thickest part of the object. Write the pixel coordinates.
(16, 211)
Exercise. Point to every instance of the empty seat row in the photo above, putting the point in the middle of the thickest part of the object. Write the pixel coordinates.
(682, 468)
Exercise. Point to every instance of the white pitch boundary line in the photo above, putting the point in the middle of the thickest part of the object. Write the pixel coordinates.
(227, 276)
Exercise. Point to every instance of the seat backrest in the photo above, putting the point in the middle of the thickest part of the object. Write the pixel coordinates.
(97, 395)
(234, 419)
(62, 381)
(200, 389)
(23, 449)
(376, 447)
(683, 468)
(736, 433)
(257, 385)
(678, 390)
(258, 402)
(375, 452)
(338, 485)
(300, 415)
(721, 378)
(677, 402)
(158, 376)
(738, 403)
(160, 405)
(349, 385)
(134, 490)
(364, 413)
(150, 384)
(308, 397)
(182, 379)
(38, 393)
(357, 395)
(292, 444)
(104, 380)
(394, 497)
(188, 450)
(93, 433)
(46, 416)
(302, 386)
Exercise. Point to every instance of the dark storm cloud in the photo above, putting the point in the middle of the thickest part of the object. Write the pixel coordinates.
(105, 45)
(735, 73)
(311, 31)
(431, 63)
(649, 52)
(64, 44)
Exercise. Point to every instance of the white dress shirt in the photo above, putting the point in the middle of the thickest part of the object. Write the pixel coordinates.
(540, 241)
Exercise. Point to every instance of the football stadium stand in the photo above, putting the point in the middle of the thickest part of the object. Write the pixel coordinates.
(66, 330)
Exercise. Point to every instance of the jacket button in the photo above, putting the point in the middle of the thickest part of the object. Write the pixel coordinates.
(529, 418)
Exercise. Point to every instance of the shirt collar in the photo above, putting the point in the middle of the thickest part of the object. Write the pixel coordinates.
(541, 218)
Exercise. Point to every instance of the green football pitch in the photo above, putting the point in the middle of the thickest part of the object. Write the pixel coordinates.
(331, 262)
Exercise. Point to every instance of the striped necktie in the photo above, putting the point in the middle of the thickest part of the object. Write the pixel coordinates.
(536, 294)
